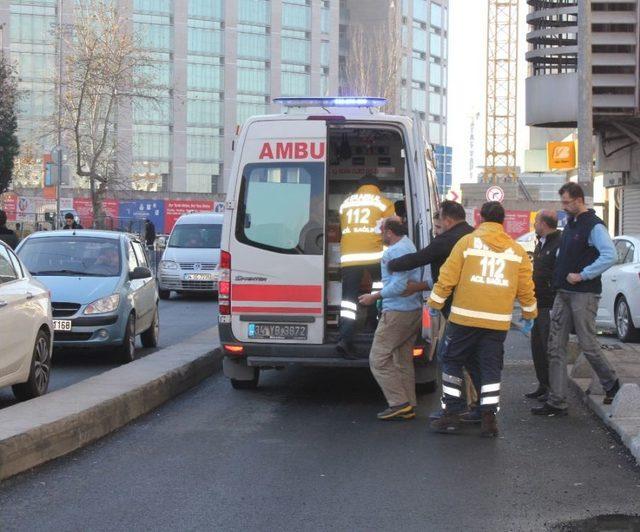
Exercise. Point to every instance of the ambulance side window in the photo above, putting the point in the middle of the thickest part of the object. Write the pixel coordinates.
(281, 207)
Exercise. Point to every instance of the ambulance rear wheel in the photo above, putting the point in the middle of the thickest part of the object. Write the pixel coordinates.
(247, 385)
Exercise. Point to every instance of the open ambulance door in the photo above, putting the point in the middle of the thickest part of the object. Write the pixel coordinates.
(277, 245)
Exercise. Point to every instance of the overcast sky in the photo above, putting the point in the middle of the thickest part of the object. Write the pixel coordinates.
(466, 86)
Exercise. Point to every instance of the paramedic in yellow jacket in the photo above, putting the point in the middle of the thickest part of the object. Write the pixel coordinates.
(487, 270)
(360, 251)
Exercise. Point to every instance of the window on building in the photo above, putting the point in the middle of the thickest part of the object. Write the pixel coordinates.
(204, 73)
(151, 141)
(419, 38)
(211, 9)
(434, 133)
(153, 6)
(418, 99)
(204, 108)
(254, 12)
(435, 44)
(435, 73)
(296, 15)
(204, 37)
(155, 32)
(253, 77)
(436, 15)
(325, 17)
(203, 177)
(420, 10)
(419, 70)
(149, 111)
(253, 42)
(295, 80)
(249, 105)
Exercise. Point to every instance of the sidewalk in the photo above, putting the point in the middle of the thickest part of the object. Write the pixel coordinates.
(623, 415)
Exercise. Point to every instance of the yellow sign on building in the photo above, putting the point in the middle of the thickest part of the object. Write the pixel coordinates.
(561, 155)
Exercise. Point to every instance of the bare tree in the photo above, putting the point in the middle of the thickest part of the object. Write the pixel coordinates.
(105, 69)
(374, 58)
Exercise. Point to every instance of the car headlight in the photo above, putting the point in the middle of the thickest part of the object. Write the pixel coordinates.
(168, 265)
(103, 305)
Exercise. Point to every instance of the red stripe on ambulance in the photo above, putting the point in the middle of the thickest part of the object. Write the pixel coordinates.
(278, 310)
(292, 150)
(277, 292)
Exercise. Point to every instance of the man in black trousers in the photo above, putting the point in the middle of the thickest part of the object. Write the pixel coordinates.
(544, 262)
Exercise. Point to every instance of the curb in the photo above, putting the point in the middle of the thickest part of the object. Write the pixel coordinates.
(36, 431)
(622, 416)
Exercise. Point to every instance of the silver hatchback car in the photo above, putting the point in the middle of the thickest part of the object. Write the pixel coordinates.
(102, 291)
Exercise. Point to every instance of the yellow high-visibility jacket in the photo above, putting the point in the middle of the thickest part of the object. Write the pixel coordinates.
(360, 217)
(488, 270)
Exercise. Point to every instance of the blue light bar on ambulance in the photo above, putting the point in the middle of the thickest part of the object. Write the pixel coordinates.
(332, 102)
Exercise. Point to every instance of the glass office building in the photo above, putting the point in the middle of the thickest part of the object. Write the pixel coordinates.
(217, 62)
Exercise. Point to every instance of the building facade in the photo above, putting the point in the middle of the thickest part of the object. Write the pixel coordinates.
(552, 87)
(217, 62)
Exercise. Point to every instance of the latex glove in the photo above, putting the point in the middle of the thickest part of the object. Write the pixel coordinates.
(526, 327)
(433, 312)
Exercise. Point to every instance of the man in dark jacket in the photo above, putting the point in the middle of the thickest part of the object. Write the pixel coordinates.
(586, 252)
(70, 222)
(454, 227)
(544, 262)
(6, 234)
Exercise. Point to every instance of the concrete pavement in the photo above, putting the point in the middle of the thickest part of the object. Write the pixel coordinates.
(36, 431)
(305, 452)
(623, 415)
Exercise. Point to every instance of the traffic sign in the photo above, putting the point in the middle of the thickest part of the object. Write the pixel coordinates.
(495, 193)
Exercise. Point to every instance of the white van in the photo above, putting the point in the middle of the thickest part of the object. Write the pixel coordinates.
(279, 290)
(192, 255)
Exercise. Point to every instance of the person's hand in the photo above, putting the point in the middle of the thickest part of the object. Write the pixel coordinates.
(574, 278)
(527, 325)
(367, 299)
(413, 287)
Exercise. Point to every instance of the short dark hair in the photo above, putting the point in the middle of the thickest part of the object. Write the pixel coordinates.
(453, 210)
(396, 227)
(573, 189)
(69, 215)
(492, 211)
(3, 217)
(551, 221)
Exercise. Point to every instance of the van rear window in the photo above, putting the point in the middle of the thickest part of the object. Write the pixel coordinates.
(281, 207)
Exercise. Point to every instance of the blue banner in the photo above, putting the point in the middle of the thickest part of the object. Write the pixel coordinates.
(132, 214)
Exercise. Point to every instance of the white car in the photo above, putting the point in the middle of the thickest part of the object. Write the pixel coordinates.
(190, 260)
(26, 329)
(619, 307)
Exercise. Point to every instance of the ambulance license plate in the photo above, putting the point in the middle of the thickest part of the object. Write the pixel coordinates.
(277, 331)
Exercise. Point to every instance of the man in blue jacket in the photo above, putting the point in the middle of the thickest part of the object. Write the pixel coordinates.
(391, 357)
(586, 252)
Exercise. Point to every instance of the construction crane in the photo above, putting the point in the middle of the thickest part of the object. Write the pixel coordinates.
(502, 91)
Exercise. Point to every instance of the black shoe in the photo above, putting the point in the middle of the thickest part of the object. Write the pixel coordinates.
(473, 415)
(436, 415)
(347, 350)
(404, 411)
(535, 395)
(447, 424)
(608, 398)
(544, 397)
(548, 410)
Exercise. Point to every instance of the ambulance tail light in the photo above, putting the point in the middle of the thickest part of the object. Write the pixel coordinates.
(224, 284)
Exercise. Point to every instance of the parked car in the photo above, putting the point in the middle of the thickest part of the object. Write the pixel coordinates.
(26, 329)
(103, 292)
(191, 257)
(619, 307)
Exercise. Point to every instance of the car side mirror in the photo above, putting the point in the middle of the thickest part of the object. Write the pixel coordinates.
(140, 272)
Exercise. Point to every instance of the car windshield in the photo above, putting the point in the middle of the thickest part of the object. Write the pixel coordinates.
(93, 257)
(196, 236)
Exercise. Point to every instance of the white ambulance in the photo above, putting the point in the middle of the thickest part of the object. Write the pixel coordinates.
(279, 271)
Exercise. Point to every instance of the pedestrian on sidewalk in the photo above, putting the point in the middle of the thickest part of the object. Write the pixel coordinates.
(586, 252)
(391, 356)
(544, 262)
(488, 270)
(7, 235)
(452, 220)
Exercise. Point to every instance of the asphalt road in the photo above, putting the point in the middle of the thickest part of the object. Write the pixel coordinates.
(305, 452)
(180, 317)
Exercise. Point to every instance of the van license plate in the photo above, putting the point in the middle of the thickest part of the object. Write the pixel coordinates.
(277, 331)
(61, 325)
(197, 277)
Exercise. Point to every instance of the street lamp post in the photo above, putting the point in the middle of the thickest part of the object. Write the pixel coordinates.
(585, 105)
(58, 148)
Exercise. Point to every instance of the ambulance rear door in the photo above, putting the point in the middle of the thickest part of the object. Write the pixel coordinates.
(277, 239)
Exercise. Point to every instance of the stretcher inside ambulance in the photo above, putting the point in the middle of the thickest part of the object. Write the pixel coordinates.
(281, 266)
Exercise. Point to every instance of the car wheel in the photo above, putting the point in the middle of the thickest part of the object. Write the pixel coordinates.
(164, 294)
(40, 372)
(150, 336)
(126, 352)
(624, 324)
(247, 385)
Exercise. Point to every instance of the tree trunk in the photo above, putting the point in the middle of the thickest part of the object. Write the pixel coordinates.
(98, 194)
